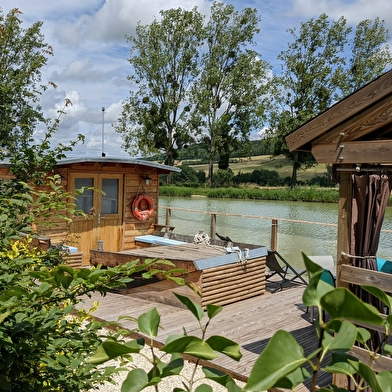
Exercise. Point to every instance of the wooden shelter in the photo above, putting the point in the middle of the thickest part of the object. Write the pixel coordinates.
(111, 223)
(355, 136)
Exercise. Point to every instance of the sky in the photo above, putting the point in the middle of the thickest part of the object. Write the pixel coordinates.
(90, 63)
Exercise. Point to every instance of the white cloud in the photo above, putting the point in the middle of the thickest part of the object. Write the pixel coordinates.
(353, 10)
(90, 63)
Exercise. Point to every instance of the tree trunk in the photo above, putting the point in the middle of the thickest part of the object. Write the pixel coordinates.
(210, 169)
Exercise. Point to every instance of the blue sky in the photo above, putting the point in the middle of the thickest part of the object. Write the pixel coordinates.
(90, 64)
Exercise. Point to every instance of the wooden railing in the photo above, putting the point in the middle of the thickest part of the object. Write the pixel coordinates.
(214, 215)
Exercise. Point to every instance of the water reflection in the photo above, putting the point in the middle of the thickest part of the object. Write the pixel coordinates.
(295, 235)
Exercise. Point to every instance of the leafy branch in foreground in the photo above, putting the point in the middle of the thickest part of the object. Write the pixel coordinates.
(336, 337)
(168, 361)
(283, 363)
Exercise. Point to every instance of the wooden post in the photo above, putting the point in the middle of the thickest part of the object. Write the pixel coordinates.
(344, 239)
(274, 234)
(344, 223)
(213, 226)
(168, 217)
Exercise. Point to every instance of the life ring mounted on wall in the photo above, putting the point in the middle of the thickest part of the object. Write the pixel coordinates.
(142, 207)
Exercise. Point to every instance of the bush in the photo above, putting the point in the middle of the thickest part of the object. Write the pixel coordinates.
(44, 340)
(223, 178)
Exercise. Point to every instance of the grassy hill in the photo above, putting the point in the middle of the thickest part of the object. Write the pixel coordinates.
(266, 162)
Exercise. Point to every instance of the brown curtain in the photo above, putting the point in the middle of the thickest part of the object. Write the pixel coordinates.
(370, 197)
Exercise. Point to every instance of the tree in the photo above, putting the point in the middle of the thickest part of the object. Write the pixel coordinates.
(164, 57)
(326, 61)
(229, 94)
(22, 57)
(369, 55)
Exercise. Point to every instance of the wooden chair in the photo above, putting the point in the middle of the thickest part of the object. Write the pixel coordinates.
(287, 274)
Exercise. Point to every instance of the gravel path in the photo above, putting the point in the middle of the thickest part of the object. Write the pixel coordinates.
(169, 383)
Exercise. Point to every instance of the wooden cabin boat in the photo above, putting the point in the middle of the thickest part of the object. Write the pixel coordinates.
(122, 225)
(111, 223)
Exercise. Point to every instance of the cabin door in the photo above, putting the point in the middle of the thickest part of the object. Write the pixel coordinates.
(102, 201)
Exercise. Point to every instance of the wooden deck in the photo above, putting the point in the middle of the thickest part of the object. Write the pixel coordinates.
(250, 323)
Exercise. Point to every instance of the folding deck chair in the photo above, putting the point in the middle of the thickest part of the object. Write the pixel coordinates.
(288, 275)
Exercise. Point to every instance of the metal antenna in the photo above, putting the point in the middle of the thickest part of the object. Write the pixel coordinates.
(103, 132)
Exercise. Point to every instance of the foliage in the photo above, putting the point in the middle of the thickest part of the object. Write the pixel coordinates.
(22, 57)
(260, 177)
(300, 193)
(336, 337)
(44, 339)
(34, 160)
(282, 364)
(325, 62)
(223, 178)
(168, 362)
(229, 92)
(188, 176)
(164, 58)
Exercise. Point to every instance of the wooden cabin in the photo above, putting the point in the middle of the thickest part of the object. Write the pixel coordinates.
(111, 223)
(355, 136)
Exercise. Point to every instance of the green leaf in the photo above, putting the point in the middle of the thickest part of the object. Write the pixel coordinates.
(363, 335)
(221, 378)
(342, 303)
(316, 287)
(343, 340)
(110, 349)
(368, 375)
(135, 381)
(204, 388)
(148, 322)
(341, 363)
(282, 356)
(384, 379)
(195, 308)
(190, 345)
(387, 349)
(225, 346)
(213, 310)
(173, 368)
(381, 295)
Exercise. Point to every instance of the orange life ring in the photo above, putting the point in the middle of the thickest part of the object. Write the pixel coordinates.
(137, 205)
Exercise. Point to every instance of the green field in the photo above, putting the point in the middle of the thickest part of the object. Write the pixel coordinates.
(266, 162)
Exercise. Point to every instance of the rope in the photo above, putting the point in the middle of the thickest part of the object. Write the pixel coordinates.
(201, 238)
(357, 257)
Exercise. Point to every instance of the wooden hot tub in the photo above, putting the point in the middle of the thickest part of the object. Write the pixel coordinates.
(221, 275)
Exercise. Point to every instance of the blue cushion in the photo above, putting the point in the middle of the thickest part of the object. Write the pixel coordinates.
(384, 265)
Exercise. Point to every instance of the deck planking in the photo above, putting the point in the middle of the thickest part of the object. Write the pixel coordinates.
(250, 323)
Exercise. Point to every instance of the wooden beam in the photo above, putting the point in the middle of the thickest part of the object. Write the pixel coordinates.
(344, 225)
(342, 111)
(369, 121)
(370, 152)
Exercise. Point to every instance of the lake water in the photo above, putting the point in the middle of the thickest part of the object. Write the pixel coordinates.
(293, 237)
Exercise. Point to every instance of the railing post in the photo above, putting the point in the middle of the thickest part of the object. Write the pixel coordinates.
(274, 234)
(213, 226)
(168, 217)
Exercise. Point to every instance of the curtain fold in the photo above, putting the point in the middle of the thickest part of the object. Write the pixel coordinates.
(371, 193)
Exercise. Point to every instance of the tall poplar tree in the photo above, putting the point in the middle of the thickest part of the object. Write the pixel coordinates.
(229, 93)
(326, 61)
(164, 58)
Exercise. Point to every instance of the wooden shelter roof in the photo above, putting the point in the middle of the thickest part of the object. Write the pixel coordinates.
(356, 130)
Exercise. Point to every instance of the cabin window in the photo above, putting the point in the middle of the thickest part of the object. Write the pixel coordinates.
(85, 200)
(110, 196)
